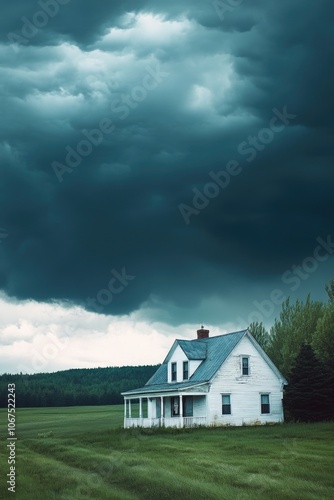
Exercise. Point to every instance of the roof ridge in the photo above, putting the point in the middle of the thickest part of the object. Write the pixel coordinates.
(214, 337)
(221, 335)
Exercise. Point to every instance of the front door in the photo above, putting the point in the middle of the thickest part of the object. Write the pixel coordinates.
(175, 406)
(188, 406)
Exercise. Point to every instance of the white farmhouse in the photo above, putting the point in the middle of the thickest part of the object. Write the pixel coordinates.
(227, 379)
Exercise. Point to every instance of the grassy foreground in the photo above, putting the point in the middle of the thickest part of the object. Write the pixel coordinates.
(82, 453)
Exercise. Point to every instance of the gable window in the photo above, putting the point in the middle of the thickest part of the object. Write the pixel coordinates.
(226, 404)
(175, 406)
(185, 370)
(245, 365)
(265, 404)
(173, 368)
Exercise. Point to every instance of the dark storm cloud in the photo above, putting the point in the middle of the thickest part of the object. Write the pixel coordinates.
(204, 86)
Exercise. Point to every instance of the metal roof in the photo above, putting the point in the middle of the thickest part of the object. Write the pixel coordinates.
(193, 349)
(159, 377)
(213, 351)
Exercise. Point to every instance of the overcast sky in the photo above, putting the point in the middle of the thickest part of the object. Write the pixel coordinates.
(163, 165)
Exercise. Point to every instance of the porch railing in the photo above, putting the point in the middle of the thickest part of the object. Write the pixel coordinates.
(193, 421)
(142, 422)
(165, 422)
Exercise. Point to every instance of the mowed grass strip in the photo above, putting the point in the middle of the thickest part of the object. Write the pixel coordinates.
(82, 452)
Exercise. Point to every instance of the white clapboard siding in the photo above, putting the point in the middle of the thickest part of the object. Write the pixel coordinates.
(245, 391)
(199, 406)
(193, 365)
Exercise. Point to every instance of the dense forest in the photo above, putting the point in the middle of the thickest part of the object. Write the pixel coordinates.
(301, 344)
(79, 387)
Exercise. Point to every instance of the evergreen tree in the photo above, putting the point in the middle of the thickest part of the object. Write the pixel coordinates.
(308, 395)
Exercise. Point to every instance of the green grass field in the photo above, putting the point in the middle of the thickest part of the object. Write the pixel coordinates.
(82, 452)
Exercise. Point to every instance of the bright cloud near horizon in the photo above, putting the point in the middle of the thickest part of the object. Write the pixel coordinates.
(162, 165)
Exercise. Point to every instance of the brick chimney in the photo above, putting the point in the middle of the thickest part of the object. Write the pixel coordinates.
(202, 333)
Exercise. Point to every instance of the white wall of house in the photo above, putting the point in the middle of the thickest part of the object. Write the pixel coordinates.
(245, 390)
(193, 365)
(199, 407)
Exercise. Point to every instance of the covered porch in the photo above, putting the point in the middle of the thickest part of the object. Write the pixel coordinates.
(186, 409)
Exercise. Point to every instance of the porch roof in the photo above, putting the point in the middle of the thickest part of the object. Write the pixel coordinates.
(163, 388)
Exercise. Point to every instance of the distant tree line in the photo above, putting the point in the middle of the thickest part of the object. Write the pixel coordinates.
(77, 387)
(301, 344)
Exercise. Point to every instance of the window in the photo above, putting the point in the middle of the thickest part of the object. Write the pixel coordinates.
(173, 372)
(245, 365)
(188, 406)
(185, 370)
(265, 405)
(175, 406)
(226, 404)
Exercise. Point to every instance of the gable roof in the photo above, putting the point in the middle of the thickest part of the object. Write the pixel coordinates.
(159, 377)
(193, 349)
(212, 350)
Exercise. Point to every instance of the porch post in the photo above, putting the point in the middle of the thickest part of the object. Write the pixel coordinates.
(124, 413)
(130, 408)
(149, 408)
(141, 410)
(181, 411)
(162, 410)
